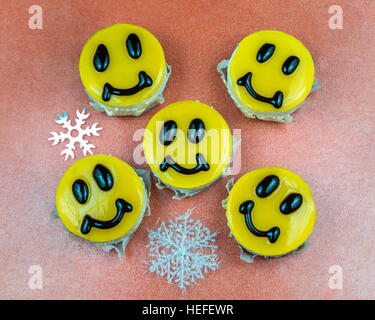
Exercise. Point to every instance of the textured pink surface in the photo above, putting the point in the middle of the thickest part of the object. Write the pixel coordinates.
(330, 144)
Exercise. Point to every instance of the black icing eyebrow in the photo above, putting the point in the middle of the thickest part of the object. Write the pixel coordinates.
(290, 65)
(265, 52)
(133, 45)
(101, 58)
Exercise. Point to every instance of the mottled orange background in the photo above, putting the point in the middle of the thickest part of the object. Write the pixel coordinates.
(330, 144)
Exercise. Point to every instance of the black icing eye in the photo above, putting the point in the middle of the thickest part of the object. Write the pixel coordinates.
(290, 65)
(196, 131)
(168, 132)
(267, 186)
(291, 203)
(103, 177)
(80, 191)
(101, 58)
(133, 44)
(265, 52)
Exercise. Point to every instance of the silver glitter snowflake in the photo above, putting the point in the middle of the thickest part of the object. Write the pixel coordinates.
(182, 250)
(74, 133)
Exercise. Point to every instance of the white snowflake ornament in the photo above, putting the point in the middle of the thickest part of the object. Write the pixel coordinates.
(182, 250)
(75, 133)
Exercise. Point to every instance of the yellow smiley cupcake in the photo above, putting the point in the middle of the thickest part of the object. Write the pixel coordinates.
(270, 212)
(269, 75)
(123, 70)
(188, 146)
(102, 199)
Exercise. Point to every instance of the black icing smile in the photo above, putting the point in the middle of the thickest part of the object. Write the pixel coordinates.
(202, 165)
(276, 100)
(121, 206)
(246, 209)
(144, 82)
